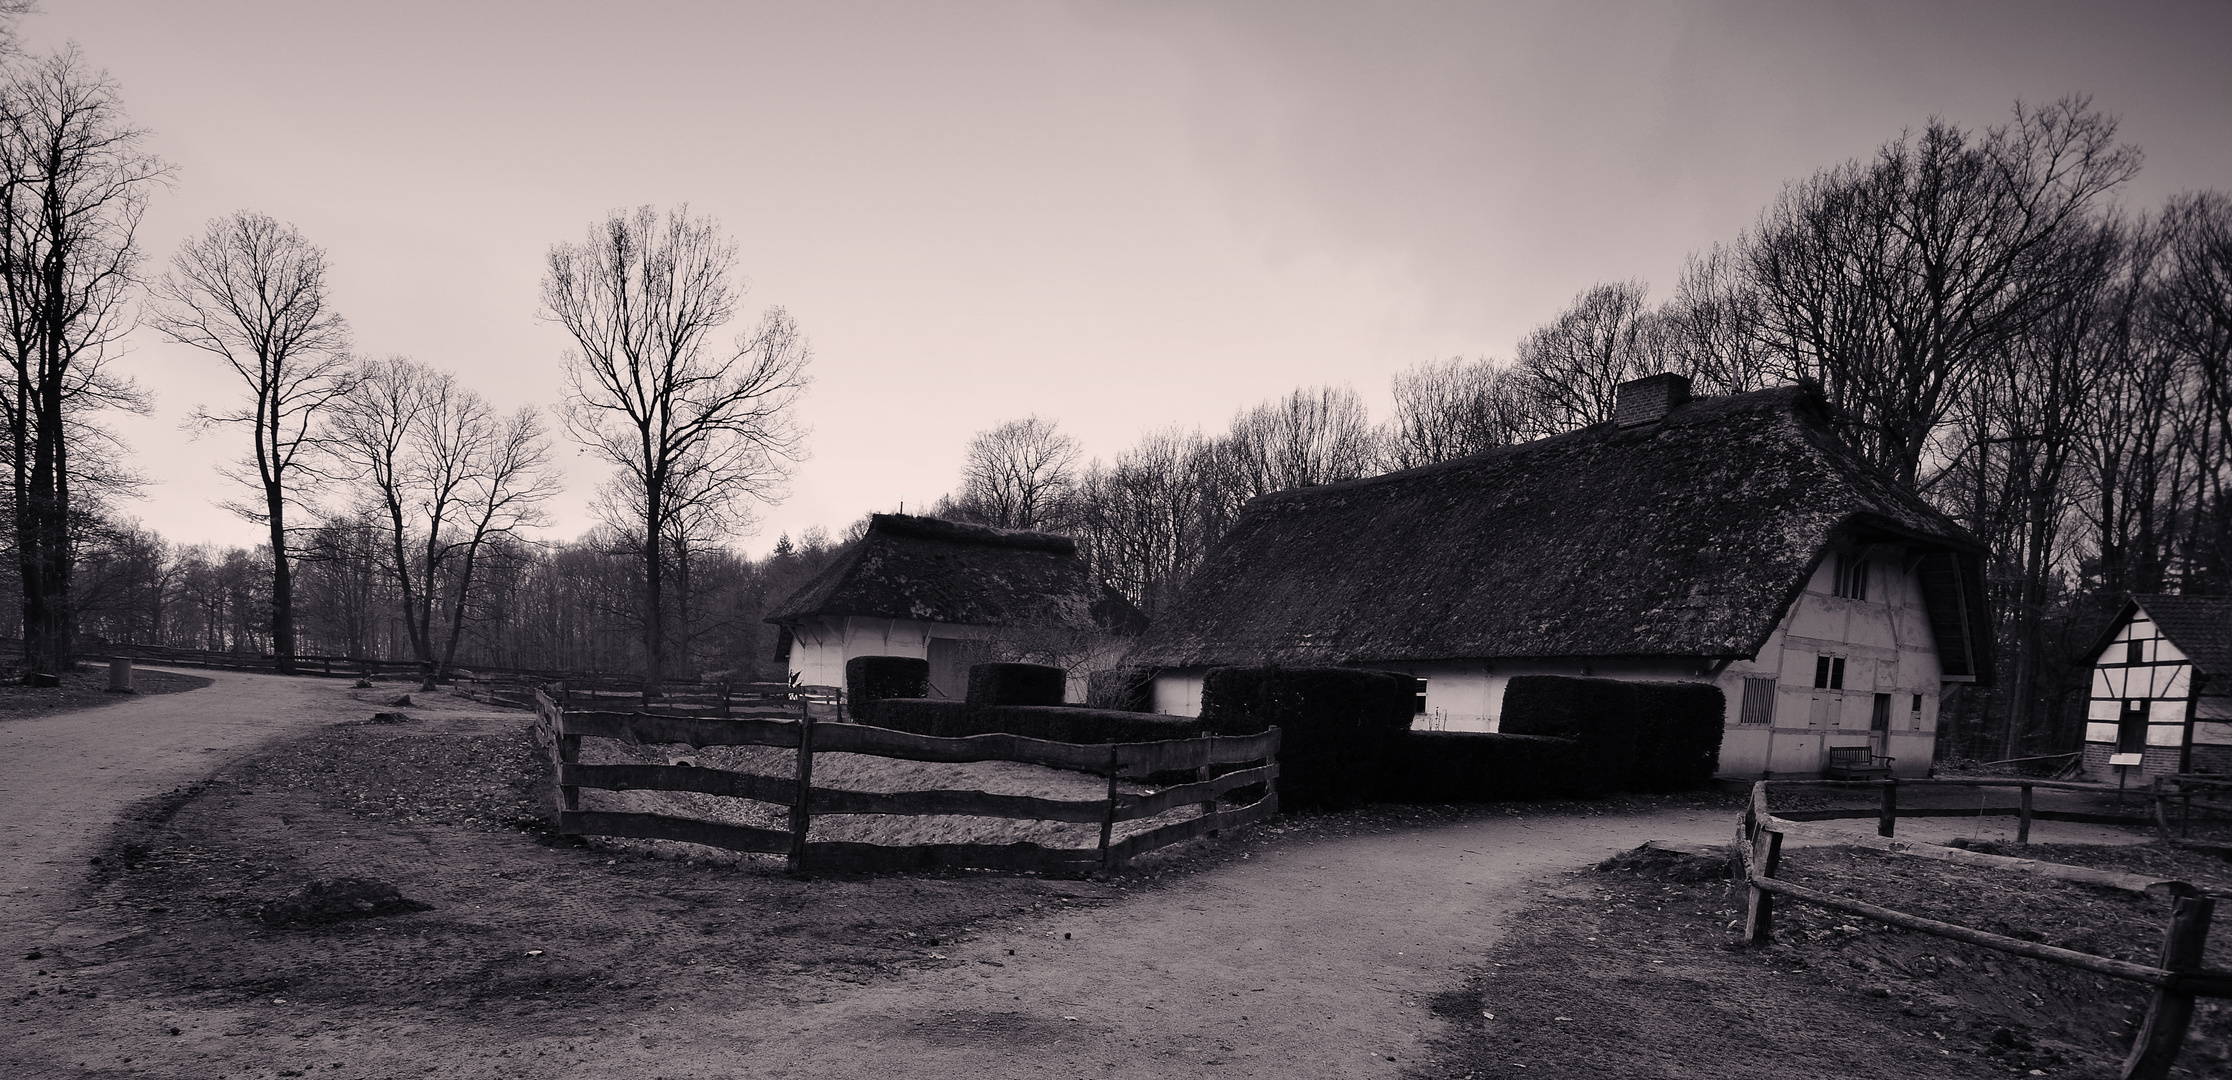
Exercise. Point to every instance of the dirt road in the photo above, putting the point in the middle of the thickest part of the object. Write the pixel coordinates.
(64, 778)
(1305, 959)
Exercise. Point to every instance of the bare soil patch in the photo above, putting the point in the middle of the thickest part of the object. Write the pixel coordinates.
(1633, 971)
(87, 689)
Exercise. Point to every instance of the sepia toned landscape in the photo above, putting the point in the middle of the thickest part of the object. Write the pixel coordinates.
(1115, 540)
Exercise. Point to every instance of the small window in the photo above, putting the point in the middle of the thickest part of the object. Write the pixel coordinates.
(2135, 652)
(1821, 673)
(1418, 702)
(1918, 704)
(1759, 701)
(1852, 577)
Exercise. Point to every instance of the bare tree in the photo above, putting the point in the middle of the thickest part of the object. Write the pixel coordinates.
(1314, 435)
(693, 427)
(1711, 328)
(1019, 475)
(73, 184)
(1893, 281)
(1149, 518)
(1573, 365)
(448, 476)
(252, 292)
(1448, 409)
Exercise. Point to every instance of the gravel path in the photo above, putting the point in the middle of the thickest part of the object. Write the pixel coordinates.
(65, 778)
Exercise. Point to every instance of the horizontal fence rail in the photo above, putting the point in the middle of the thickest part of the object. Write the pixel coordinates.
(561, 730)
(2176, 981)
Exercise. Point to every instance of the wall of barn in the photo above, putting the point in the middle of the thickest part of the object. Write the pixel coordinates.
(1882, 639)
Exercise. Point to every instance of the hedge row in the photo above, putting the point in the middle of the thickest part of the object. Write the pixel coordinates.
(1341, 729)
(870, 679)
(959, 719)
(1611, 735)
(1481, 766)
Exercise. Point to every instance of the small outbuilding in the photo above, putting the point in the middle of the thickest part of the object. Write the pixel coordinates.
(1729, 540)
(956, 595)
(2161, 702)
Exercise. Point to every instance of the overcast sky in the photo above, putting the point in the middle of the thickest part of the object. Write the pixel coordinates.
(1122, 216)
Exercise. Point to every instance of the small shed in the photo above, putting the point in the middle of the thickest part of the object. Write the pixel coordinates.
(2161, 701)
(953, 594)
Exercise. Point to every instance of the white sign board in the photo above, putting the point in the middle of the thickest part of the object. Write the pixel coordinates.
(2123, 760)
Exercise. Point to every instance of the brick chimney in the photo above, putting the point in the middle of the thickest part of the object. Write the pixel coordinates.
(1648, 400)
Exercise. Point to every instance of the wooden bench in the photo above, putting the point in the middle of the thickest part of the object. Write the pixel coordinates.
(1856, 763)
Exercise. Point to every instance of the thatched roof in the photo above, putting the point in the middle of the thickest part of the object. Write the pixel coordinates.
(2200, 626)
(1685, 537)
(933, 570)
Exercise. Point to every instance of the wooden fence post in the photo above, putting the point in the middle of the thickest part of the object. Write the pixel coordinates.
(1108, 820)
(1887, 819)
(800, 817)
(568, 748)
(2023, 817)
(1759, 908)
(2163, 1034)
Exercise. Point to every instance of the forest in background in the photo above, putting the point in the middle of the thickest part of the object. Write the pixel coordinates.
(1998, 331)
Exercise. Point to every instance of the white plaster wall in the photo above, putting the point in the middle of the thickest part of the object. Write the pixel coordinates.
(820, 646)
(2166, 686)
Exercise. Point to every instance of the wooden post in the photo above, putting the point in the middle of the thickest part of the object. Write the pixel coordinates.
(1108, 820)
(1887, 819)
(800, 817)
(2023, 817)
(1759, 909)
(2164, 1032)
(569, 753)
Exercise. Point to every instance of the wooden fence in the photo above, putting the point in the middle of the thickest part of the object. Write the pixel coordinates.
(2177, 980)
(561, 731)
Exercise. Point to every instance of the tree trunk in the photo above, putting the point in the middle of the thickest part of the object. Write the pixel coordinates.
(282, 584)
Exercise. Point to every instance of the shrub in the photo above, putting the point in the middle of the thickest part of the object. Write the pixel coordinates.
(958, 719)
(870, 679)
(1123, 689)
(1597, 714)
(1678, 735)
(1480, 766)
(1016, 684)
(1342, 729)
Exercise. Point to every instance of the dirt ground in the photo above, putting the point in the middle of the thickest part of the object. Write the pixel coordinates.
(1359, 944)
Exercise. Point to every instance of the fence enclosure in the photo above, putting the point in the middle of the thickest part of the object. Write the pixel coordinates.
(2178, 979)
(561, 731)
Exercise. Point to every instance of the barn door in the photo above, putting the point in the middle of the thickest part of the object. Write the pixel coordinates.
(948, 678)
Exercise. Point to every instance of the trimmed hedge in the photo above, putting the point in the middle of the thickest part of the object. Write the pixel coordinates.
(1481, 766)
(1342, 729)
(1678, 737)
(870, 679)
(1598, 714)
(1017, 684)
(959, 719)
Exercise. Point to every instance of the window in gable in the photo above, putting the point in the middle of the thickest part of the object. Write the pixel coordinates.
(1829, 672)
(1852, 577)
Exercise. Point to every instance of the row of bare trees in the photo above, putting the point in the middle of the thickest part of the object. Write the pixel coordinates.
(1997, 332)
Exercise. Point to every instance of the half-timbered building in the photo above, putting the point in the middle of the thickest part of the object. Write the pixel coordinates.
(2161, 699)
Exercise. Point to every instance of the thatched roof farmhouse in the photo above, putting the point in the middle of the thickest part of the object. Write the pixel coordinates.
(953, 594)
(1733, 539)
(2161, 699)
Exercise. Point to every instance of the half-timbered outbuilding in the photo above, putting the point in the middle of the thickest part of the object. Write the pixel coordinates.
(2161, 699)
